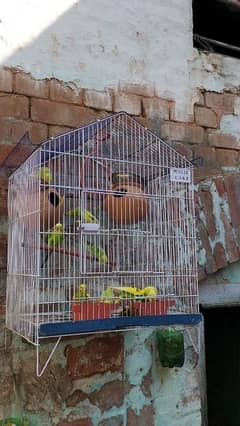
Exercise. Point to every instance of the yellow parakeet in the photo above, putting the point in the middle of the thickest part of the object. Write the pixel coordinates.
(81, 293)
(97, 252)
(127, 291)
(83, 215)
(148, 291)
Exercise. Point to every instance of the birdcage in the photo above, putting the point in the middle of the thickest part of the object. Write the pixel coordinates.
(101, 234)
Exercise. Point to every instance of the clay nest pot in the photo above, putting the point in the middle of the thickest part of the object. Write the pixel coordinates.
(127, 203)
(51, 208)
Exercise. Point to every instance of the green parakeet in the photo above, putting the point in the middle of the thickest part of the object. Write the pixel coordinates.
(54, 239)
(83, 215)
(97, 252)
(45, 175)
(107, 295)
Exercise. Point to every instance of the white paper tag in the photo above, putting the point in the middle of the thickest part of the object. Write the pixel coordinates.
(90, 227)
(178, 174)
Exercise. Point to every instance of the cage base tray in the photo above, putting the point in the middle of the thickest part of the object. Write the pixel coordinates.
(114, 324)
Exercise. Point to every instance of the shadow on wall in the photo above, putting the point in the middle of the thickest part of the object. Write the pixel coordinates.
(92, 45)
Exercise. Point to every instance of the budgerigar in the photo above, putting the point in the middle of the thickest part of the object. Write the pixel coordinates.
(83, 215)
(54, 238)
(45, 175)
(97, 252)
(81, 293)
(107, 295)
(127, 291)
(148, 291)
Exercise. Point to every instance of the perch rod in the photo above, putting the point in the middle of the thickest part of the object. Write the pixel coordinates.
(68, 252)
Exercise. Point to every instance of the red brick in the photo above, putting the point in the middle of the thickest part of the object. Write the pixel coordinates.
(205, 117)
(183, 149)
(25, 84)
(98, 100)
(147, 384)
(220, 256)
(220, 101)
(112, 421)
(110, 395)
(5, 149)
(227, 157)
(2, 307)
(80, 422)
(207, 207)
(97, 356)
(153, 125)
(63, 92)
(61, 114)
(156, 108)
(232, 185)
(207, 153)
(3, 196)
(3, 251)
(76, 397)
(202, 173)
(137, 89)
(14, 106)
(6, 80)
(145, 417)
(201, 273)
(128, 103)
(220, 187)
(232, 251)
(58, 130)
(12, 130)
(183, 132)
(224, 141)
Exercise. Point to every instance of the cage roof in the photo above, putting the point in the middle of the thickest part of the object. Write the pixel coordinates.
(75, 139)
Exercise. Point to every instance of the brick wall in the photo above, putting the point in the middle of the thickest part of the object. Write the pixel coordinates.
(49, 107)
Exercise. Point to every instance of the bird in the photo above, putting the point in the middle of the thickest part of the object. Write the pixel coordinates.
(127, 291)
(107, 295)
(83, 215)
(97, 252)
(81, 293)
(45, 175)
(148, 291)
(54, 239)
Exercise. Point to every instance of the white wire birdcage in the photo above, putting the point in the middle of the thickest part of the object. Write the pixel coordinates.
(101, 233)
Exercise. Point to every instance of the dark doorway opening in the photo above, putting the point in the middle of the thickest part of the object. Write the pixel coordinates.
(216, 26)
(222, 340)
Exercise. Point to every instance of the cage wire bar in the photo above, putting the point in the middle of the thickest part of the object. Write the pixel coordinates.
(101, 233)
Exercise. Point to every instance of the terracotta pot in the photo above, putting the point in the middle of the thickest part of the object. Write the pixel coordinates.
(51, 208)
(128, 204)
(151, 307)
(91, 310)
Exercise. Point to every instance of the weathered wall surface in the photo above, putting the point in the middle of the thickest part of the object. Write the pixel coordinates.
(103, 45)
(105, 380)
(118, 380)
(68, 67)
